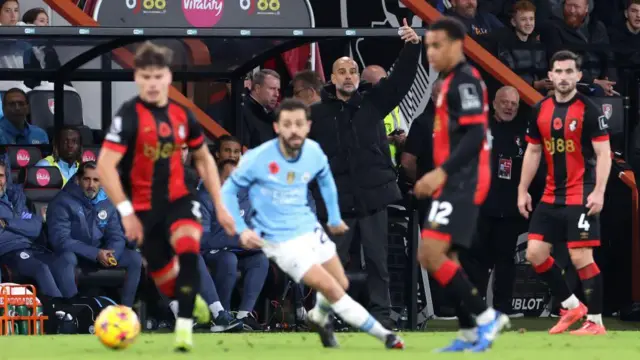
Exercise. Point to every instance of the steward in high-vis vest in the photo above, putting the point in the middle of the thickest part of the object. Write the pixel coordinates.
(67, 150)
(395, 125)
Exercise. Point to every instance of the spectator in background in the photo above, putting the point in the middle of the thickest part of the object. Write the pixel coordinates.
(225, 257)
(84, 229)
(500, 223)
(348, 125)
(19, 228)
(518, 47)
(11, 51)
(14, 127)
(42, 55)
(478, 23)
(257, 111)
(394, 123)
(627, 35)
(67, 152)
(36, 16)
(228, 148)
(307, 87)
(572, 26)
(503, 9)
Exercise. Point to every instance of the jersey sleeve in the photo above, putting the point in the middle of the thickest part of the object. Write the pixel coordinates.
(122, 132)
(243, 175)
(469, 95)
(196, 137)
(533, 133)
(595, 124)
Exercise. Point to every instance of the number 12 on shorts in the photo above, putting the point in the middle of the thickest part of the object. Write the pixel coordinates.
(583, 222)
(440, 212)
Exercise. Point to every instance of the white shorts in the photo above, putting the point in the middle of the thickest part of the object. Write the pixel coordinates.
(296, 256)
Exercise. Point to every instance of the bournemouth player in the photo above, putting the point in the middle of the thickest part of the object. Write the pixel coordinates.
(572, 133)
(144, 144)
(277, 174)
(459, 184)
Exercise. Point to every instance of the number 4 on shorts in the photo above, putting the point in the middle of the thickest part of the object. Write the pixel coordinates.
(583, 223)
(440, 211)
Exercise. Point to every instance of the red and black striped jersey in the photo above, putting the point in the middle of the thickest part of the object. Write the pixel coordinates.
(566, 132)
(151, 138)
(461, 109)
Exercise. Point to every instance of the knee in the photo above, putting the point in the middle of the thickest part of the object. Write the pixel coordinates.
(134, 260)
(537, 253)
(581, 257)
(344, 282)
(429, 254)
(69, 258)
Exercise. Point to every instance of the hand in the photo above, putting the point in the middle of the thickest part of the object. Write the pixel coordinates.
(399, 140)
(339, 229)
(250, 240)
(544, 84)
(606, 85)
(133, 228)
(225, 220)
(595, 202)
(3, 223)
(429, 183)
(103, 257)
(524, 203)
(407, 33)
(43, 212)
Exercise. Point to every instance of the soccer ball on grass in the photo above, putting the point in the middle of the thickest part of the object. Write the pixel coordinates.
(117, 327)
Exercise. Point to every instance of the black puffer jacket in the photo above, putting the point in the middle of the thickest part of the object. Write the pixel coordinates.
(257, 123)
(527, 59)
(353, 136)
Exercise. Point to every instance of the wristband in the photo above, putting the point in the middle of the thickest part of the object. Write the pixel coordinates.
(125, 208)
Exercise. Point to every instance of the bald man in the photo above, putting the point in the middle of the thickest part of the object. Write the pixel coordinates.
(394, 123)
(348, 123)
(500, 224)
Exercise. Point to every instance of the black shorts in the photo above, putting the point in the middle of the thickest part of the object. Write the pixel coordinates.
(565, 223)
(159, 223)
(452, 218)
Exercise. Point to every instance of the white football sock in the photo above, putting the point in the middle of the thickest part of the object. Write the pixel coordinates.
(486, 316)
(242, 314)
(357, 316)
(321, 310)
(173, 305)
(596, 319)
(216, 308)
(470, 335)
(571, 302)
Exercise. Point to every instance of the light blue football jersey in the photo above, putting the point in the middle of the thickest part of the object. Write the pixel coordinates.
(278, 189)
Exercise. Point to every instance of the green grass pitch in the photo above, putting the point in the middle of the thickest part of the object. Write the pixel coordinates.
(620, 344)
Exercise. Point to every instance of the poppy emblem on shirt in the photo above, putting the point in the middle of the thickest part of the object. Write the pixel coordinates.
(164, 130)
(274, 168)
(557, 123)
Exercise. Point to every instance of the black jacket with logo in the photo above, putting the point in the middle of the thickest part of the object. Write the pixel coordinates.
(353, 136)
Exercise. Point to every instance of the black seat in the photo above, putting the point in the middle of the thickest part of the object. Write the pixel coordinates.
(41, 185)
(22, 157)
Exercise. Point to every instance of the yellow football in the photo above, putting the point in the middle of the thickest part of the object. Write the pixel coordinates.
(117, 326)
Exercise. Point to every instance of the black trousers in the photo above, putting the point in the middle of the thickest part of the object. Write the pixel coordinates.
(372, 233)
(494, 248)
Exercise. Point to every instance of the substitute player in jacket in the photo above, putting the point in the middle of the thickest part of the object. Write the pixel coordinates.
(459, 183)
(571, 131)
(277, 174)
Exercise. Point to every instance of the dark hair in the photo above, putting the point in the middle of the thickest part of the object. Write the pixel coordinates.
(310, 80)
(290, 104)
(11, 91)
(259, 77)
(2, 2)
(152, 55)
(632, 2)
(56, 142)
(226, 138)
(453, 27)
(82, 169)
(224, 163)
(32, 14)
(563, 55)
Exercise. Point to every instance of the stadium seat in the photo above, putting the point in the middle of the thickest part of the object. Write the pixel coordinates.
(42, 108)
(22, 157)
(90, 153)
(41, 184)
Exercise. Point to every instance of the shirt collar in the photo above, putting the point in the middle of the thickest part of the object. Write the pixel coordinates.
(8, 126)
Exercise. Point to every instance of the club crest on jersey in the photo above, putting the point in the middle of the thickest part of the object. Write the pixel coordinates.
(164, 130)
(557, 123)
(182, 133)
(573, 125)
(306, 177)
(607, 110)
(102, 215)
(291, 177)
